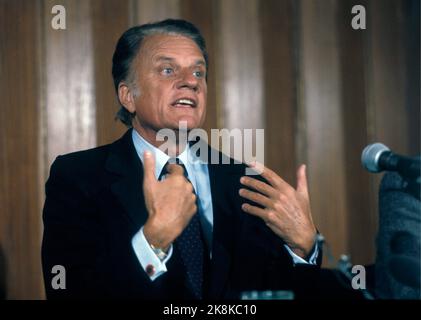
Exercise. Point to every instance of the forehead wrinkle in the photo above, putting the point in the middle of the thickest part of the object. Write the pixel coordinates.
(165, 45)
(160, 58)
(156, 58)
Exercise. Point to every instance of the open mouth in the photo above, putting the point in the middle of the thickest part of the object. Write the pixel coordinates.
(184, 103)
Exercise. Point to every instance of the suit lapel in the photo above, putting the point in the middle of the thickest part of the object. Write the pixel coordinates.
(124, 161)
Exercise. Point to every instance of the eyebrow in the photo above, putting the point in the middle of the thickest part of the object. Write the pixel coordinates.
(169, 59)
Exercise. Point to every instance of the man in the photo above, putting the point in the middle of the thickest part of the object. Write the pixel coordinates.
(125, 222)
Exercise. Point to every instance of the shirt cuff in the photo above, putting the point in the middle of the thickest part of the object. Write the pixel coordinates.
(149, 261)
(297, 259)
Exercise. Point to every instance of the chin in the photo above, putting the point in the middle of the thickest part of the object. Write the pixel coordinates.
(192, 123)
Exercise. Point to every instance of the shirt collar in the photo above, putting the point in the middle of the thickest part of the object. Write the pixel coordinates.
(161, 158)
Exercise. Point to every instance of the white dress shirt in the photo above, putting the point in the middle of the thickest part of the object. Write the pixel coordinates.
(198, 174)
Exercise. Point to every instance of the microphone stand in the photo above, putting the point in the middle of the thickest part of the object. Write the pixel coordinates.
(344, 266)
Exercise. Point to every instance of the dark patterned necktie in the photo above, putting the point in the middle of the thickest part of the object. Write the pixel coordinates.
(190, 245)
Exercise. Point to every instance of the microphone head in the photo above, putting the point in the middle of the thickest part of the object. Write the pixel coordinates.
(371, 155)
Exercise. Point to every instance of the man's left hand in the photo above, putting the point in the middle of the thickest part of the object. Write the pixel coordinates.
(286, 210)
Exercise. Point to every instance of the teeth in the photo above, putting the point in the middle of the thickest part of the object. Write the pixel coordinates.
(185, 101)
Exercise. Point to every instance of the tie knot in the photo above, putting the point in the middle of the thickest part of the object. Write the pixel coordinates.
(176, 161)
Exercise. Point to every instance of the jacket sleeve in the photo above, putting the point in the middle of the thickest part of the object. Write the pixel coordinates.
(71, 240)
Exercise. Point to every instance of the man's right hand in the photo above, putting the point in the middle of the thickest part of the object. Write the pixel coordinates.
(171, 203)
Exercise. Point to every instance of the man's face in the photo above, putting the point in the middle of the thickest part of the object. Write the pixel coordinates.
(171, 78)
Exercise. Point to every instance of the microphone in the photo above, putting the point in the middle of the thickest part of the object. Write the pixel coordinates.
(377, 157)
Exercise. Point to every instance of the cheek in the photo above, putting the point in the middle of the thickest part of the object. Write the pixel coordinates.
(204, 92)
(149, 98)
(203, 97)
(145, 107)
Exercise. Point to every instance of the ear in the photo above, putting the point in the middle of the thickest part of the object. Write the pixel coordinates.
(126, 97)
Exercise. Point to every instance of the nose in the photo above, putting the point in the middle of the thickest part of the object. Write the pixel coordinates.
(187, 80)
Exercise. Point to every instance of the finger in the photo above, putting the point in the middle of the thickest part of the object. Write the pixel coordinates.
(260, 186)
(149, 167)
(302, 186)
(270, 176)
(256, 211)
(263, 214)
(175, 169)
(256, 197)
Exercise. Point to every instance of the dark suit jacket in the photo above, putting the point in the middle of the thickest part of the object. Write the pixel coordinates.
(94, 206)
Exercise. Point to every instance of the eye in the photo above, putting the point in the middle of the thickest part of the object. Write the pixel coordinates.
(167, 71)
(199, 74)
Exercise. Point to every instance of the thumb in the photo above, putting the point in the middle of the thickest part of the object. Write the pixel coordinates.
(302, 180)
(148, 168)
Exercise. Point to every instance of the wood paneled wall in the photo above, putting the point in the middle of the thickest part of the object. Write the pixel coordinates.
(320, 89)
(321, 109)
(20, 196)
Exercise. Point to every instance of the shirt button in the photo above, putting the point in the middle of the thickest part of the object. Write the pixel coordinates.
(150, 270)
